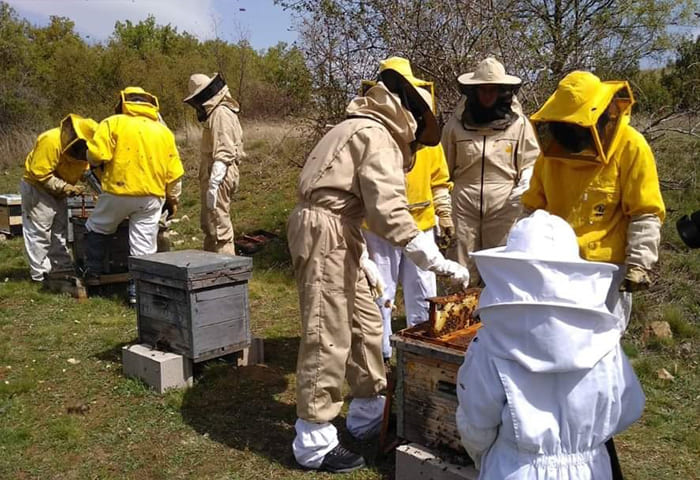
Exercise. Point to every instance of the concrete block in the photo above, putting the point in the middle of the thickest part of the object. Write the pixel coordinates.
(254, 354)
(415, 462)
(160, 370)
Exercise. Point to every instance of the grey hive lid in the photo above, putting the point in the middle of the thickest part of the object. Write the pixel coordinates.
(184, 264)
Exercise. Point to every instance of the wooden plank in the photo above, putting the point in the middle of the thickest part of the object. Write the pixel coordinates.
(160, 290)
(223, 304)
(164, 309)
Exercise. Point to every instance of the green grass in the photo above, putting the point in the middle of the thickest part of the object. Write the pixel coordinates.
(86, 420)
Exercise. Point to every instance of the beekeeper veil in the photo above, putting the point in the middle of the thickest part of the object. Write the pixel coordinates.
(206, 93)
(76, 131)
(418, 101)
(581, 120)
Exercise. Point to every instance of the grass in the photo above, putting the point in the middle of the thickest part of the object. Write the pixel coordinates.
(68, 420)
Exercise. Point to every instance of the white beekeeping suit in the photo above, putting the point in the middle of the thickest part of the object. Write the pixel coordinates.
(545, 383)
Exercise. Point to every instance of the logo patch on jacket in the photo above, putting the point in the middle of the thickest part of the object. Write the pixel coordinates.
(599, 210)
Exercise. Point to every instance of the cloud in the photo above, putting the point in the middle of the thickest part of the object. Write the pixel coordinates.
(96, 18)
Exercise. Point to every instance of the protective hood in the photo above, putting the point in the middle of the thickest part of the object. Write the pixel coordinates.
(502, 124)
(583, 117)
(380, 104)
(207, 93)
(135, 101)
(543, 306)
(74, 130)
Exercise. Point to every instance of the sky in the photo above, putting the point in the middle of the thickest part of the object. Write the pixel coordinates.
(260, 22)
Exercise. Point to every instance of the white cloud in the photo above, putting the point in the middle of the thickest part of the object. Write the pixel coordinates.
(96, 18)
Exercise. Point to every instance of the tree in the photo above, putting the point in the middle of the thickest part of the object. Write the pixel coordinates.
(538, 40)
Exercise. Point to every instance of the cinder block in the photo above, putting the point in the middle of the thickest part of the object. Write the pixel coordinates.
(160, 370)
(254, 354)
(415, 462)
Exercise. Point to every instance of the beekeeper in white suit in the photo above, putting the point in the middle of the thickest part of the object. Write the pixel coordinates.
(355, 172)
(221, 152)
(545, 383)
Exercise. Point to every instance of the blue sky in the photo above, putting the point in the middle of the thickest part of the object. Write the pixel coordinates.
(261, 22)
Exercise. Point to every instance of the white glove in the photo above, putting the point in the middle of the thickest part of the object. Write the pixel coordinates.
(522, 186)
(218, 172)
(423, 251)
(371, 270)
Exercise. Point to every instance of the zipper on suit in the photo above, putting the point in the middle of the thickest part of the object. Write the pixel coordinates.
(481, 194)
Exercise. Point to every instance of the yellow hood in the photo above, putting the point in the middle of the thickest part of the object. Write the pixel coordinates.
(135, 101)
(580, 99)
(75, 128)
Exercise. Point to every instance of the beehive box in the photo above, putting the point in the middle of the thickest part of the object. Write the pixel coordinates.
(80, 207)
(11, 214)
(192, 302)
(116, 258)
(426, 384)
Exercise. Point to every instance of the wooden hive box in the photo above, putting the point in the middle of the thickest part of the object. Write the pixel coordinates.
(116, 258)
(11, 214)
(192, 302)
(78, 207)
(426, 384)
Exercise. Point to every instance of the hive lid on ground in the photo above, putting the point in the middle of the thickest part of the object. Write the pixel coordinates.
(10, 199)
(188, 264)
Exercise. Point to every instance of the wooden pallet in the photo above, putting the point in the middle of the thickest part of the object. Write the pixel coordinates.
(77, 286)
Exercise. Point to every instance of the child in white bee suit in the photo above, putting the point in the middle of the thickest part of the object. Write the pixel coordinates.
(545, 383)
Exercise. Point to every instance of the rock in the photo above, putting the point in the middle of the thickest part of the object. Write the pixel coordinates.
(173, 233)
(73, 361)
(686, 348)
(3, 238)
(664, 374)
(659, 330)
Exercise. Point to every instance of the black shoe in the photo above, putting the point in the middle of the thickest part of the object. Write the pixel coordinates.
(341, 460)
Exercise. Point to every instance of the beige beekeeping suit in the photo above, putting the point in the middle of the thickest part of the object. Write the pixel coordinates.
(354, 172)
(485, 163)
(222, 140)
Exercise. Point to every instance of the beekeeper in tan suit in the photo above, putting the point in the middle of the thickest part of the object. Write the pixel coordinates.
(490, 148)
(355, 172)
(221, 152)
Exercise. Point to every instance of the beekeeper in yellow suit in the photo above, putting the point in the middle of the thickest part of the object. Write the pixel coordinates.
(428, 195)
(52, 171)
(354, 173)
(221, 153)
(140, 170)
(490, 148)
(599, 174)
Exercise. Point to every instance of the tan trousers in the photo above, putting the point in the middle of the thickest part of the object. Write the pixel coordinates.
(475, 232)
(216, 223)
(341, 325)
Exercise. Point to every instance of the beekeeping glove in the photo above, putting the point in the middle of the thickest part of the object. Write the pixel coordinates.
(522, 185)
(73, 190)
(423, 251)
(218, 173)
(443, 209)
(636, 279)
(374, 278)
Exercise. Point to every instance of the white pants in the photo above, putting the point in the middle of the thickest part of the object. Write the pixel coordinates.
(143, 214)
(417, 284)
(44, 226)
(314, 440)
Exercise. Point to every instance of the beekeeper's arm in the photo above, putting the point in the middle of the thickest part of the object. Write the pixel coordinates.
(100, 148)
(173, 185)
(534, 197)
(42, 164)
(381, 182)
(527, 152)
(643, 205)
(481, 400)
(225, 134)
(441, 187)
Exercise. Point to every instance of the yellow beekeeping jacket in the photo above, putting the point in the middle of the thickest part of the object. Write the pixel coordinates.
(427, 175)
(138, 153)
(597, 196)
(46, 160)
